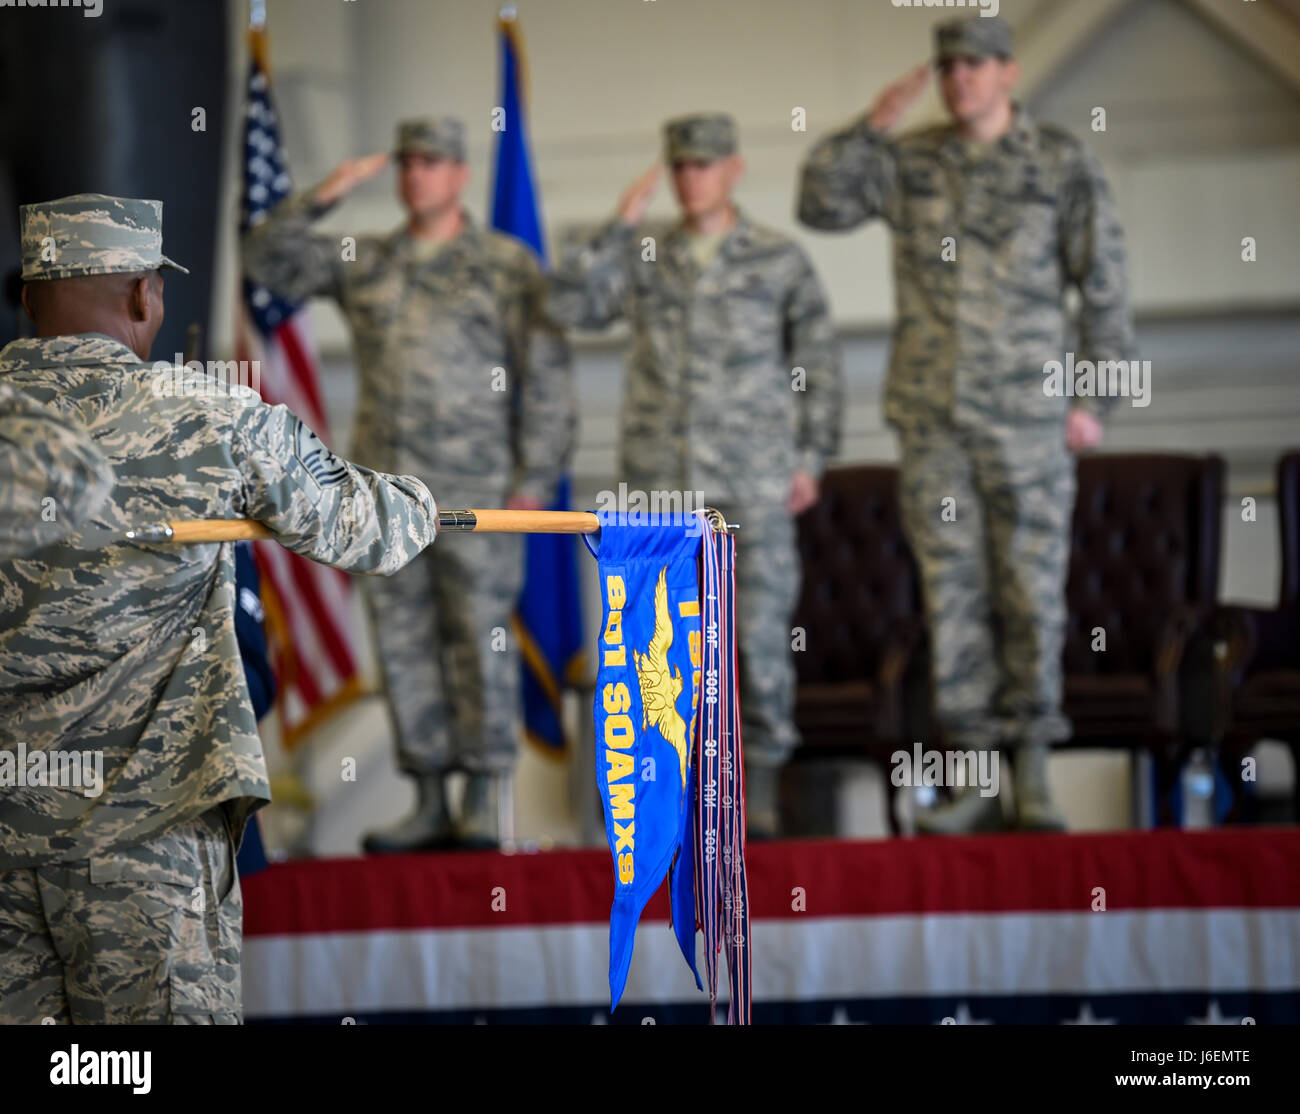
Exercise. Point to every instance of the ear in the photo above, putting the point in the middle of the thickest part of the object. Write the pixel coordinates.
(137, 297)
(1010, 74)
(462, 175)
(736, 170)
(27, 305)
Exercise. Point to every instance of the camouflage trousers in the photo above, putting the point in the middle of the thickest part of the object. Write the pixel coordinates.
(987, 512)
(767, 591)
(449, 656)
(147, 935)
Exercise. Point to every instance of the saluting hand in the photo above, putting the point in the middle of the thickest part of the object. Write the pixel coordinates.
(897, 98)
(349, 174)
(635, 201)
(1082, 430)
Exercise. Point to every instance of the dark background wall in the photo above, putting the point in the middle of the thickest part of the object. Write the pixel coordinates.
(104, 105)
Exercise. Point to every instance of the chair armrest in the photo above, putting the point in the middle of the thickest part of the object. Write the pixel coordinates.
(1259, 638)
(1234, 632)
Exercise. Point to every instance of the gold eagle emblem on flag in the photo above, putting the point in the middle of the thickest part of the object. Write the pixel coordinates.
(661, 684)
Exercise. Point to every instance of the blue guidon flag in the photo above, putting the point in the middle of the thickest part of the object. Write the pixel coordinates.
(647, 697)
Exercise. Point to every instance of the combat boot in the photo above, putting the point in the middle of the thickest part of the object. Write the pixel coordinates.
(1034, 809)
(762, 801)
(428, 828)
(479, 827)
(968, 811)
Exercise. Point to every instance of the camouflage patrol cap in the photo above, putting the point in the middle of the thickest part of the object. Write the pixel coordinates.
(91, 234)
(975, 36)
(435, 136)
(702, 135)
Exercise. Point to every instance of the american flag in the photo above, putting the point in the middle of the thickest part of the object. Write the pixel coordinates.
(308, 606)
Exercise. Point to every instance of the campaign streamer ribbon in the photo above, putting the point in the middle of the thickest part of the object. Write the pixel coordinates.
(721, 886)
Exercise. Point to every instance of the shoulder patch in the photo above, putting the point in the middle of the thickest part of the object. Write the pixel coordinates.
(325, 468)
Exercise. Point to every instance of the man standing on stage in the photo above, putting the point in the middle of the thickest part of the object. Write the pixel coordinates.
(466, 384)
(994, 215)
(733, 389)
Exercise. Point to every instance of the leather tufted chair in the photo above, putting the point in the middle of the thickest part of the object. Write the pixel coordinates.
(859, 609)
(1257, 659)
(1144, 567)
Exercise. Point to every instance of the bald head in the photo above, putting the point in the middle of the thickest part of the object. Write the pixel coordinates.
(127, 307)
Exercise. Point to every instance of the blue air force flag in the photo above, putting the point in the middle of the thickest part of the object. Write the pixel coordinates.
(647, 691)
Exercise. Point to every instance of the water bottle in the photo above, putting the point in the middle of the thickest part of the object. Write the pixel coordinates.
(1198, 790)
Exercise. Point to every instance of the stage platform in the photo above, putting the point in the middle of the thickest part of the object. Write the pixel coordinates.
(1156, 927)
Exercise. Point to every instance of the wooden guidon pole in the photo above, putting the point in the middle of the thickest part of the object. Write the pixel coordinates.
(519, 522)
(475, 521)
(216, 530)
(464, 521)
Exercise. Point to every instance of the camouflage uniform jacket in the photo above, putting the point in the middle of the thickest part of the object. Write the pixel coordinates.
(428, 335)
(1033, 216)
(130, 650)
(52, 478)
(710, 401)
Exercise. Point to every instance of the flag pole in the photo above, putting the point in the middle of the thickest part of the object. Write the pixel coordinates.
(472, 521)
(257, 35)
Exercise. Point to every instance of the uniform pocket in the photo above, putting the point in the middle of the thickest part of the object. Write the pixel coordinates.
(123, 868)
(226, 875)
(192, 1004)
(186, 995)
(753, 315)
(205, 974)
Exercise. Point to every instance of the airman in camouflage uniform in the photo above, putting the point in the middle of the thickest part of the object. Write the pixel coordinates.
(129, 755)
(993, 217)
(52, 477)
(464, 383)
(733, 389)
